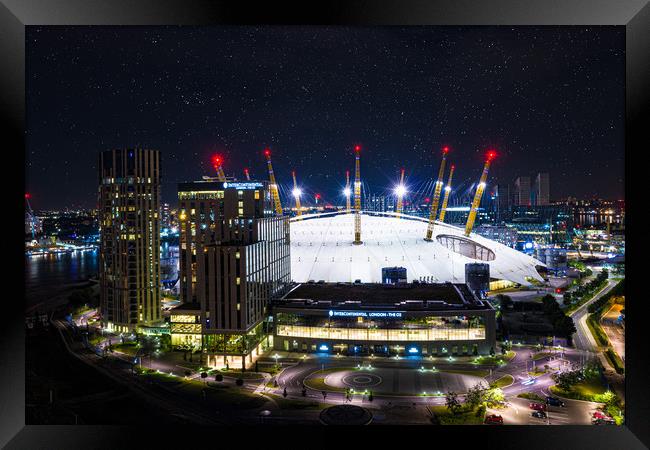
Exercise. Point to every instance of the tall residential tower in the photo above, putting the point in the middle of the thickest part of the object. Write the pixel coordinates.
(129, 258)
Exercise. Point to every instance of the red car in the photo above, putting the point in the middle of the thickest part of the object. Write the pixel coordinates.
(494, 419)
(601, 415)
(537, 406)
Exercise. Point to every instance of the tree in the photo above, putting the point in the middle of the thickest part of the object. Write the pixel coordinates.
(324, 393)
(474, 395)
(370, 396)
(451, 400)
(284, 393)
(493, 397)
(239, 382)
(492, 353)
(475, 350)
(218, 377)
(549, 305)
(505, 302)
(204, 375)
(564, 326)
(304, 392)
(256, 367)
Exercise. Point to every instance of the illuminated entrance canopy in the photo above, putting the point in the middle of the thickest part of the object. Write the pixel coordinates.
(382, 314)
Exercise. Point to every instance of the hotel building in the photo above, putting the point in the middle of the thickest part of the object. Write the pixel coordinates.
(234, 258)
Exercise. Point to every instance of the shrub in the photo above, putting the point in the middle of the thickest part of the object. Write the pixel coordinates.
(239, 382)
(218, 377)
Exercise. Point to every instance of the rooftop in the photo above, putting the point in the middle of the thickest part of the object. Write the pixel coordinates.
(409, 296)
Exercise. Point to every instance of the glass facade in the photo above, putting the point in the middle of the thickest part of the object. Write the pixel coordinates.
(427, 328)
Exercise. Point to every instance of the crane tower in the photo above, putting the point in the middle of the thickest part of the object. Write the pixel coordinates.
(248, 175)
(445, 200)
(347, 191)
(436, 194)
(274, 187)
(479, 193)
(400, 190)
(357, 196)
(217, 164)
(296, 193)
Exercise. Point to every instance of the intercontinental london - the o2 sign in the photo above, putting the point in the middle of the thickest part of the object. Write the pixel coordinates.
(242, 185)
(382, 314)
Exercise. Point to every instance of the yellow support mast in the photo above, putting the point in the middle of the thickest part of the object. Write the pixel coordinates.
(357, 196)
(274, 187)
(347, 192)
(217, 162)
(296, 193)
(445, 200)
(436, 195)
(479, 193)
(400, 191)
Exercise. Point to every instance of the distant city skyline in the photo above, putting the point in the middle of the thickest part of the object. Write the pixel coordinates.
(548, 99)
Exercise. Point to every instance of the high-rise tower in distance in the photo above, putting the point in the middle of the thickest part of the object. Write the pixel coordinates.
(542, 190)
(522, 191)
(129, 255)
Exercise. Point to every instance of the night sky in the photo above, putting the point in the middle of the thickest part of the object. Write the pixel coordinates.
(548, 99)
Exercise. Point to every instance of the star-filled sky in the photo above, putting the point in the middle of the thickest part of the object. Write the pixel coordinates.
(547, 99)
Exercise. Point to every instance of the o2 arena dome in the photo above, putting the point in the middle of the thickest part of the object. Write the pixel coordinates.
(322, 249)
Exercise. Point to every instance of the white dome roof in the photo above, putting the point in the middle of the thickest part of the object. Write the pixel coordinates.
(322, 249)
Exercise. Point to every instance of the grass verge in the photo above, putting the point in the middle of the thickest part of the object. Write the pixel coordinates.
(504, 381)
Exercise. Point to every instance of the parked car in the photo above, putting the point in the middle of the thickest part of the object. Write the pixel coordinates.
(553, 401)
(608, 421)
(600, 415)
(537, 406)
(539, 414)
(494, 419)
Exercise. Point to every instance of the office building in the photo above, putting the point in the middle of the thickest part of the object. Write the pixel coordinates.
(542, 190)
(522, 191)
(129, 255)
(234, 258)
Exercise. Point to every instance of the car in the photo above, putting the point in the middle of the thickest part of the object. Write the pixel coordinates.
(608, 421)
(539, 414)
(494, 419)
(537, 406)
(529, 381)
(554, 401)
(600, 415)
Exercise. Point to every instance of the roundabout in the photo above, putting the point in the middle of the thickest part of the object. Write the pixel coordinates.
(392, 381)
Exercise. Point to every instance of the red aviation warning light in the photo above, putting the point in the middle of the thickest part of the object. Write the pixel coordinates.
(491, 154)
(357, 148)
(216, 161)
(267, 152)
(445, 149)
(28, 195)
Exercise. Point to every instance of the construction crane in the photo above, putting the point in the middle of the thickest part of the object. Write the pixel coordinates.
(248, 175)
(30, 213)
(436, 195)
(274, 187)
(296, 193)
(217, 164)
(479, 193)
(445, 200)
(357, 195)
(400, 190)
(347, 191)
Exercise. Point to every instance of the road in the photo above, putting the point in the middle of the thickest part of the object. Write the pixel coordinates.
(583, 338)
(614, 330)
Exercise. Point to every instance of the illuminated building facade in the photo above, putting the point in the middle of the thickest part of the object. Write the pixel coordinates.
(522, 191)
(234, 258)
(542, 190)
(129, 264)
(360, 319)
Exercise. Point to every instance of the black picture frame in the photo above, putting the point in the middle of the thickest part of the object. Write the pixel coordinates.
(634, 15)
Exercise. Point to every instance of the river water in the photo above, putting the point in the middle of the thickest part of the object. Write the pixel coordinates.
(47, 276)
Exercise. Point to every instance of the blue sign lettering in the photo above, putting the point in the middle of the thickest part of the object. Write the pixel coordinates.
(240, 185)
